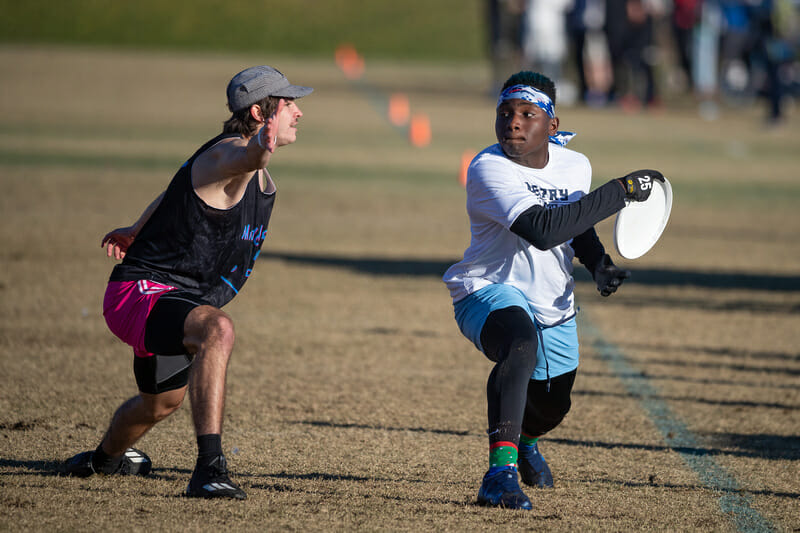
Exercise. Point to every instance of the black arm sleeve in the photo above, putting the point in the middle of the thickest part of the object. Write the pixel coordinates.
(588, 249)
(545, 228)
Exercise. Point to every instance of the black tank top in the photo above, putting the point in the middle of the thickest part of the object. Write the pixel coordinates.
(195, 247)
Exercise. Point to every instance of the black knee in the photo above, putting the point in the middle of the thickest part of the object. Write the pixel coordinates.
(545, 409)
(509, 331)
(509, 339)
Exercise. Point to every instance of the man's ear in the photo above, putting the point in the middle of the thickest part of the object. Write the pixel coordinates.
(256, 113)
(554, 122)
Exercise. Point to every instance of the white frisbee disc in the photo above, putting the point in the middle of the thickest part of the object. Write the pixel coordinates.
(640, 224)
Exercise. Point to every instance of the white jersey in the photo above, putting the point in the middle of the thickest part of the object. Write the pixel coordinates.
(498, 191)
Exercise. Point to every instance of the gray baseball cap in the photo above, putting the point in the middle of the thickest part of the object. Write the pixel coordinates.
(256, 83)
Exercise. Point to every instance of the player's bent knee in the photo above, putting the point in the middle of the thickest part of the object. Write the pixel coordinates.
(160, 406)
(219, 329)
(209, 326)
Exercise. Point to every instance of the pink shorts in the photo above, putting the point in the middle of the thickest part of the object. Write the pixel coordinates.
(126, 306)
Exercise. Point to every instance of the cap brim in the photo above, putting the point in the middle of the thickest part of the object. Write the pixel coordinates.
(293, 91)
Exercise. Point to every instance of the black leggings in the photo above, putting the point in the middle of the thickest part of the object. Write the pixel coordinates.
(516, 402)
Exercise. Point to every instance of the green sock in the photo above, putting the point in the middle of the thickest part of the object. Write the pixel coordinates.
(525, 440)
(502, 454)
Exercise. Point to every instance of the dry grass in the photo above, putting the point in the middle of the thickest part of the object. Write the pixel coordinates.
(354, 403)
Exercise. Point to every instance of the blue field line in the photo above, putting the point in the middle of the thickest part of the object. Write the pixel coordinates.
(733, 502)
(379, 101)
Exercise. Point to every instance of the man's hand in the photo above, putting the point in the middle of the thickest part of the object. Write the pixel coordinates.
(608, 276)
(118, 241)
(639, 184)
(268, 134)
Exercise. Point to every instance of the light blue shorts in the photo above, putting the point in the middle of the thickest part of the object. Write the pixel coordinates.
(558, 345)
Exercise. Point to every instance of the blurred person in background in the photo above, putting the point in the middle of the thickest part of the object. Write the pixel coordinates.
(577, 28)
(630, 30)
(684, 17)
(505, 19)
(544, 41)
(189, 254)
(776, 30)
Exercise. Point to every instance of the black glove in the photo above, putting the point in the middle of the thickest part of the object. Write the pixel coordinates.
(608, 276)
(638, 184)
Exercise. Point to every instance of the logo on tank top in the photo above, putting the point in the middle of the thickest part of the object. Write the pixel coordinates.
(255, 235)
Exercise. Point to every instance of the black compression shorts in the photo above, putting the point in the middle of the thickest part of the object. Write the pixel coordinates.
(168, 368)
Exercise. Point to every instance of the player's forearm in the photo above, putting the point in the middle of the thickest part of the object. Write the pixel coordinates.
(588, 249)
(546, 228)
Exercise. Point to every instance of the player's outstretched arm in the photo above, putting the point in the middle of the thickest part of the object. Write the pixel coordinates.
(548, 227)
(119, 240)
(242, 156)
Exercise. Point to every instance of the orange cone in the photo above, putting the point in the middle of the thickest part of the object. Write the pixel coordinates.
(399, 109)
(349, 61)
(466, 158)
(419, 132)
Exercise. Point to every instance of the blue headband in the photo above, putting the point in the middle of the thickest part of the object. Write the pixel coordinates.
(537, 97)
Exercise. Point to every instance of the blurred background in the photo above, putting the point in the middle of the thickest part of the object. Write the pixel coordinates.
(631, 54)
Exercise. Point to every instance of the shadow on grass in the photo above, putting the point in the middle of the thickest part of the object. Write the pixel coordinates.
(688, 379)
(382, 266)
(655, 483)
(331, 491)
(41, 468)
(761, 446)
(723, 403)
(59, 469)
(739, 367)
(346, 425)
(714, 351)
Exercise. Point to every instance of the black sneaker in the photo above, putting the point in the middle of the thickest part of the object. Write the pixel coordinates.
(533, 468)
(134, 463)
(212, 481)
(501, 489)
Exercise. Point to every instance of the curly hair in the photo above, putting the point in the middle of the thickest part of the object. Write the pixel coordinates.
(244, 124)
(535, 80)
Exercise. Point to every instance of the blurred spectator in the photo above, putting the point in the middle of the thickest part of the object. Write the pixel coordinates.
(774, 28)
(705, 57)
(737, 40)
(505, 39)
(755, 47)
(684, 19)
(577, 28)
(544, 41)
(597, 64)
(630, 32)
(730, 48)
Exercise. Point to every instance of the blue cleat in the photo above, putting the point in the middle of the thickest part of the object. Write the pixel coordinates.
(501, 489)
(533, 468)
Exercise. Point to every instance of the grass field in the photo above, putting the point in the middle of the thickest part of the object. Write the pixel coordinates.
(412, 29)
(353, 401)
